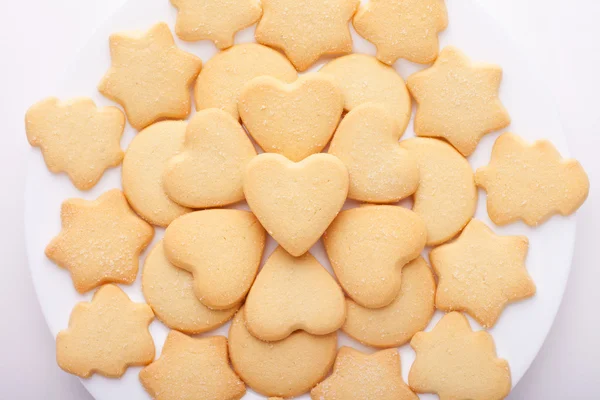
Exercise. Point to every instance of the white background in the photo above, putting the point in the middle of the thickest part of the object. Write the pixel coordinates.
(38, 39)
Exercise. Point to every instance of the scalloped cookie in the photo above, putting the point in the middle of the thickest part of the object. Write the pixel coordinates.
(208, 171)
(368, 246)
(294, 119)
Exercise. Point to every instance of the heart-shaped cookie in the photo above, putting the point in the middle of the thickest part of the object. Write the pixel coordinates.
(292, 293)
(367, 142)
(295, 119)
(208, 171)
(295, 202)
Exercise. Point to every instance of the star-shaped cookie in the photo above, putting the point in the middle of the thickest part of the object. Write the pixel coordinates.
(149, 76)
(216, 20)
(456, 363)
(76, 137)
(190, 368)
(458, 100)
(530, 182)
(359, 376)
(306, 30)
(480, 272)
(100, 241)
(106, 335)
(402, 28)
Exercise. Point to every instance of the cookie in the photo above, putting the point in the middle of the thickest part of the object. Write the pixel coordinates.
(480, 272)
(150, 76)
(368, 246)
(457, 100)
(359, 376)
(306, 30)
(446, 198)
(100, 241)
(295, 119)
(169, 291)
(530, 182)
(363, 79)
(402, 28)
(367, 143)
(295, 202)
(76, 137)
(395, 324)
(222, 249)
(192, 368)
(208, 171)
(143, 168)
(456, 363)
(286, 368)
(293, 293)
(106, 335)
(216, 20)
(223, 77)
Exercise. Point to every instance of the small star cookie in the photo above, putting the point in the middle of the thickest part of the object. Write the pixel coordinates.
(359, 376)
(76, 137)
(100, 241)
(530, 182)
(458, 100)
(149, 76)
(403, 28)
(480, 272)
(306, 30)
(190, 368)
(106, 335)
(456, 363)
(216, 20)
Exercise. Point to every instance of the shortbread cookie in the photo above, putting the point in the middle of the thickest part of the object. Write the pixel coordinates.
(76, 137)
(307, 30)
(446, 198)
(359, 376)
(149, 76)
(293, 293)
(286, 368)
(192, 368)
(402, 28)
(169, 291)
(294, 120)
(216, 20)
(458, 100)
(223, 77)
(143, 169)
(530, 182)
(106, 335)
(395, 324)
(100, 241)
(367, 143)
(480, 272)
(222, 249)
(363, 79)
(296, 202)
(368, 246)
(456, 363)
(208, 171)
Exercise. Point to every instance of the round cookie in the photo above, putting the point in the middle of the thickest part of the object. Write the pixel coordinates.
(223, 77)
(143, 168)
(169, 291)
(446, 198)
(395, 324)
(363, 79)
(286, 368)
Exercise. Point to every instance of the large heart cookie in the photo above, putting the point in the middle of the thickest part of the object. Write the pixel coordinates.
(294, 120)
(295, 202)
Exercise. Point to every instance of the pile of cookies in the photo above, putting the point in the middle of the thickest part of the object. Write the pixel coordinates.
(187, 176)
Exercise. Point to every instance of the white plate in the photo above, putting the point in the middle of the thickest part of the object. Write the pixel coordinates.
(523, 326)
